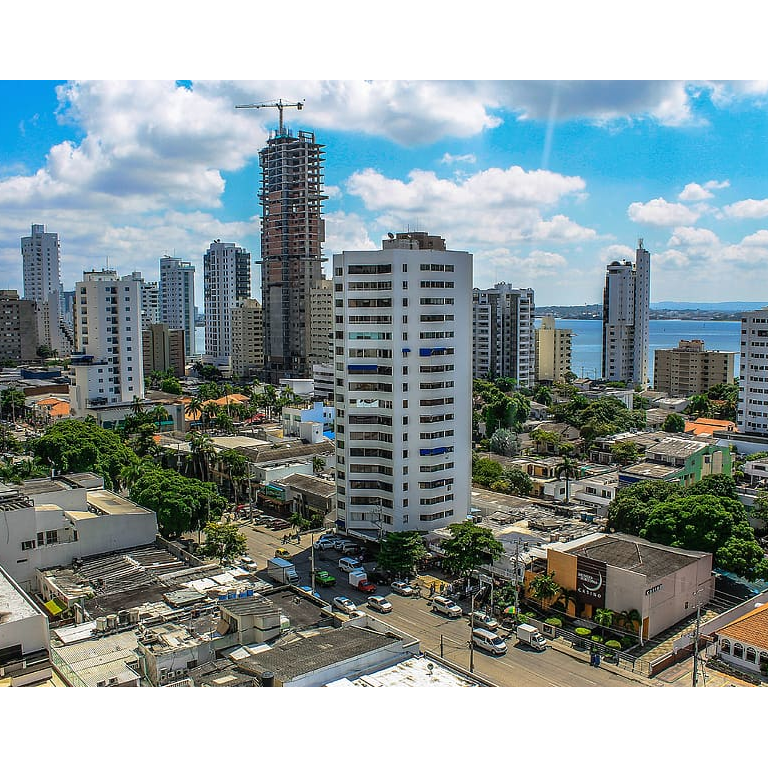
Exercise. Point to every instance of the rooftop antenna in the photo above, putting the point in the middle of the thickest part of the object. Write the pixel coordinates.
(279, 104)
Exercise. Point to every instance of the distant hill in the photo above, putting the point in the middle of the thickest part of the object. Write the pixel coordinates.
(719, 306)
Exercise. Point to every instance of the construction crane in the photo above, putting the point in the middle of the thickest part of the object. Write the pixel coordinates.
(280, 104)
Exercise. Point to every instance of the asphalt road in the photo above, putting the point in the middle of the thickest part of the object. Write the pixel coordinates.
(521, 666)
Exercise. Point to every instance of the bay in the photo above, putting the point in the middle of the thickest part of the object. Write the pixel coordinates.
(724, 335)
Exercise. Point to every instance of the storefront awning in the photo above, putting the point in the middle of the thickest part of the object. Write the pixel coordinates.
(55, 606)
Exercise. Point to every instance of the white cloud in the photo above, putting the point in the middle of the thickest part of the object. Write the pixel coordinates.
(449, 159)
(693, 238)
(672, 258)
(346, 232)
(747, 209)
(660, 213)
(694, 192)
(717, 184)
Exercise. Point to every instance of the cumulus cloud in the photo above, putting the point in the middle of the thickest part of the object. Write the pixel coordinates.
(449, 159)
(347, 232)
(661, 213)
(693, 238)
(747, 209)
(694, 192)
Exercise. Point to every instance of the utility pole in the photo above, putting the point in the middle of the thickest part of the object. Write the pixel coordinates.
(517, 570)
(696, 638)
(471, 633)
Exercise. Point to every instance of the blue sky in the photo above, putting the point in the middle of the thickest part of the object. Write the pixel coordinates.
(543, 181)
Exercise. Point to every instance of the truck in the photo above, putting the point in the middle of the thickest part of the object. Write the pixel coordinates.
(359, 580)
(282, 571)
(530, 635)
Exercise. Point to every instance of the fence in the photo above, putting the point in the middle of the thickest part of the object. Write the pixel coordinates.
(588, 645)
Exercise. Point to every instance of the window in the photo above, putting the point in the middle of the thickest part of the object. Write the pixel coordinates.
(25, 545)
(51, 537)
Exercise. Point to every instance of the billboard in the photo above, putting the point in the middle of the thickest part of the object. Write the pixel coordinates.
(590, 581)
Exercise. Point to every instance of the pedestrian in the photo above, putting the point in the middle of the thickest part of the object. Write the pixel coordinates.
(431, 589)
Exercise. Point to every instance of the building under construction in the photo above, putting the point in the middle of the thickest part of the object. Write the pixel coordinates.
(292, 233)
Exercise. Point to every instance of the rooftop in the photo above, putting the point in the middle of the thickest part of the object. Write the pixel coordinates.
(309, 484)
(751, 629)
(632, 554)
(679, 447)
(309, 654)
(112, 504)
(14, 604)
(418, 672)
(649, 470)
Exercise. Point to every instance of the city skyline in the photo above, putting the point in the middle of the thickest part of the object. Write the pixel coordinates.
(544, 182)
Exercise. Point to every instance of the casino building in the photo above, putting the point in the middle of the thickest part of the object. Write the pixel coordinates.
(624, 573)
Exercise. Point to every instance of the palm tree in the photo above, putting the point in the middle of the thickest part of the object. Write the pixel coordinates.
(130, 473)
(631, 620)
(318, 462)
(604, 617)
(137, 406)
(202, 451)
(568, 596)
(210, 411)
(570, 468)
(236, 465)
(194, 408)
(544, 587)
(269, 399)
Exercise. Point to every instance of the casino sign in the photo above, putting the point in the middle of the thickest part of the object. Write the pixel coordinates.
(590, 581)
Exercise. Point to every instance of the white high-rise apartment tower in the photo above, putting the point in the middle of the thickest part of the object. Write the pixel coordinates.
(403, 385)
(108, 366)
(227, 282)
(177, 298)
(626, 312)
(42, 284)
(753, 374)
(503, 334)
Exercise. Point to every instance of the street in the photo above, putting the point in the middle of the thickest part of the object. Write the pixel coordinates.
(519, 667)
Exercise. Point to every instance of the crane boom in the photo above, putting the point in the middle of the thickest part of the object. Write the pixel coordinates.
(279, 104)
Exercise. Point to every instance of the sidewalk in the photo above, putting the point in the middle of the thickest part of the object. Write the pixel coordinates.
(563, 646)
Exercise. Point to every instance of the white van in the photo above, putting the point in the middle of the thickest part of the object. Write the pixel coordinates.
(348, 564)
(446, 607)
(488, 641)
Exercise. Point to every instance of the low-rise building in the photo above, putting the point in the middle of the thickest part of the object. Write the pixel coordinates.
(624, 573)
(309, 424)
(679, 459)
(596, 490)
(744, 641)
(24, 638)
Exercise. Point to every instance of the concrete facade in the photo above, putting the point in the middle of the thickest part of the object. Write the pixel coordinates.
(19, 335)
(689, 369)
(403, 379)
(626, 313)
(553, 351)
(247, 338)
(163, 349)
(753, 377)
(503, 334)
(177, 298)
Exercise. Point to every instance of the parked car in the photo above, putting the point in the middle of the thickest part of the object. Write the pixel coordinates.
(488, 641)
(282, 552)
(445, 606)
(324, 579)
(380, 604)
(482, 620)
(348, 564)
(402, 588)
(322, 544)
(280, 525)
(309, 590)
(343, 604)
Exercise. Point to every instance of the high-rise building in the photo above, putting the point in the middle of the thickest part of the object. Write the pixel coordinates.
(292, 233)
(626, 312)
(42, 284)
(753, 374)
(689, 369)
(163, 350)
(247, 339)
(227, 282)
(107, 368)
(177, 298)
(504, 343)
(321, 322)
(553, 351)
(150, 301)
(403, 381)
(19, 338)
(42, 270)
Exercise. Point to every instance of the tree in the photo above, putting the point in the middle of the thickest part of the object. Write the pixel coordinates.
(236, 465)
(171, 385)
(543, 394)
(569, 468)
(520, 483)
(202, 452)
(44, 352)
(604, 617)
(180, 503)
(470, 545)
(698, 406)
(12, 402)
(194, 409)
(674, 423)
(72, 445)
(544, 587)
(625, 452)
(318, 464)
(486, 471)
(760, 507)
(401, 551)
(505, 442)
(223, 540)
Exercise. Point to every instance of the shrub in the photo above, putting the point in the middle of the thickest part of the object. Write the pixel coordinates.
(597, 639)
(553, 621)
(582, 631)
(627, 642)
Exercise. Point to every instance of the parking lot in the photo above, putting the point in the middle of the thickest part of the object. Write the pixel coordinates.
(520, 666)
